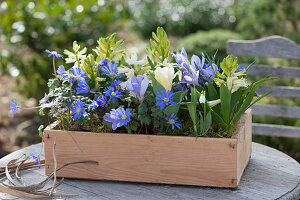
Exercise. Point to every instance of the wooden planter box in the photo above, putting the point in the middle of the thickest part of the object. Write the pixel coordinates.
(181, 160)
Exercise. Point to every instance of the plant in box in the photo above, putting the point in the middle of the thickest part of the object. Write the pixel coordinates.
(98, 97)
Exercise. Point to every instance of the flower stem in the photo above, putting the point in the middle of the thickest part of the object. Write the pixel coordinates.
(54, 69)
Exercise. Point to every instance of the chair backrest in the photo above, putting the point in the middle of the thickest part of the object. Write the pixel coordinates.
(275, 47)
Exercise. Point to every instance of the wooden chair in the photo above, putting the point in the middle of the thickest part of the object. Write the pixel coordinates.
(275, 47)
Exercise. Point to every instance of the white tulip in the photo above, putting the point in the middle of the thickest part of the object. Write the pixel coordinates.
(165, 76)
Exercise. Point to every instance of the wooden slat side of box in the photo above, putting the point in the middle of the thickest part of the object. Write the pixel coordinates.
(144, 158)
(244, 141)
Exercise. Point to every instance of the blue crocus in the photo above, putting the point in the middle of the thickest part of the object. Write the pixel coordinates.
(78, 109)
(111, 70)
(61, 70)
(119, 117)
(44, 99)
(53, 53)
(190, 73)
(37, 159)
(173, 120)
(82, 87)
(14, 107)
(116, 85)
(207, 71)
(164, 98)
(138, 85)
(101, 101)
(112, 93)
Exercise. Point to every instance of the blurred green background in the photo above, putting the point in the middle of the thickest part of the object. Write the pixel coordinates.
(27, 28)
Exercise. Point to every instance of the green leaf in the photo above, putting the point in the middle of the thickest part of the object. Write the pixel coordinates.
(220, 122)
(201, 126)
(235, 98)
(207, 122)
(41, 132)
(260, 98)
(225, 103)
(157, 87)
(212, 92)
(192, 111)
(178, 96)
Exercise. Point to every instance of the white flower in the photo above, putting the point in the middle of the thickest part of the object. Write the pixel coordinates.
(213, 103)
(239, 82)
(165, 76)
(202, 98)
(133, 60)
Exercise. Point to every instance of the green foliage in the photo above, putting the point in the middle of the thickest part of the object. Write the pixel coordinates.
(159, 50)
(33, 26)
(107, 48)
(209, 42)
(260, 18)
(180, 17)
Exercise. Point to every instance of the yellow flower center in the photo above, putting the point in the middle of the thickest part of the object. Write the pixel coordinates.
(102, 102)
(113, 94)
(78, 110)
(124, 117)
(166, 99)
(112, 73)
(77, 79)
(118, 87)
(171, 121)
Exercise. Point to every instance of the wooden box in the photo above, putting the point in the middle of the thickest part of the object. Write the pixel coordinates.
(217, 162)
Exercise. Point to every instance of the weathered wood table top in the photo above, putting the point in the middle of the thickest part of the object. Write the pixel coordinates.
(270, 174)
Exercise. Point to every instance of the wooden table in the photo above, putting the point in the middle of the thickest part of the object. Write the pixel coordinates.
(270, 174)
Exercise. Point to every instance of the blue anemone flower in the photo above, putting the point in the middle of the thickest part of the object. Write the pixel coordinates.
(112, 93)
(119, 117)
(78, 74)
(100, 65)
(111, 70)
(93, 105)
(78, 109)
(173, 120)
(53, 53)
(101, 101)
(14, 107)
(116, 85)
(164, 98)
(44, 99)
(82, 87)
(37, 159)
(61, 70)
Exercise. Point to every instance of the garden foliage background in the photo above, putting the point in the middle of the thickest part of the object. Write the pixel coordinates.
(27, 28)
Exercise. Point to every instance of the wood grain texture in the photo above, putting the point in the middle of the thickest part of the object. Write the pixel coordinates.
(270, 174)
(280, 91)
(152, 158)
(273, 46)
(276, 130)
(274, 71)
(276, 110)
